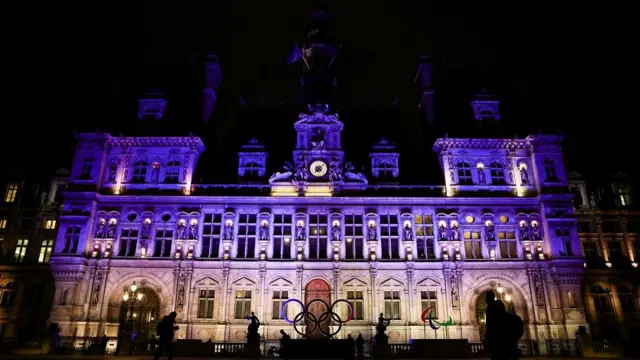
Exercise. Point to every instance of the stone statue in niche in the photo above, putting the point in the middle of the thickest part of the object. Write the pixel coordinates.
(264, 231)
(491, 231)
(193, 231)
(180, 297)
(482, 177)
(301, 170)
(146, 230)
(95, 294)
(335, 232)
(524, 231)
(318, 137)
(155, 173)
(535, 231)
(372, 232)
(455, 232)
(524, 176)
(180, 230)
(111, 230)
(442, 232)
(300, 231)
(408, 232)
(100, 229)
(228, 231)
(592, 200)
(539, 293)
(335, 172)
(455, 301)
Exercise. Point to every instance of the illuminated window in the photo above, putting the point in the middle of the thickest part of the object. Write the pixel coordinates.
(50, 224)
(8, 294)
(211, 232)
(623, 196)
(497, 174)
(3, 223)
(128, 242)
(550, 170)
(424, 236)
(139, 171)
(318, 236)
(429, 299)
(85, 170)
(357, 303)
(507, 244)
(392, 305)
(354, 236)
(472, 244)
(564, 238)
(45, 251)
(464, 174)
(282, 224)
(172, 172)
(389, 238)
(21, 250)
(11, 193)
(71, 239)
(163, 242)
(243, 304)
(601, 299)
(627, 299)
(205, 304)
(246, 236)
(279, 297)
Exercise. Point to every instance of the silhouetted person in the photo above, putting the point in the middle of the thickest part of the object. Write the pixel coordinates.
(497, 327)
(284, 344)
(515, 330)
(351, 346)
(103, 344)
(360, 346)
(165, 333)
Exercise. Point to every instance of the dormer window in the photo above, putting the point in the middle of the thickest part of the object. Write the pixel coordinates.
(623, 197)
(252, 169)
(85, 170)
(464, 174)
(550, 170)
(11, 193)
(139, 171)
(497, 174)
(172, 172)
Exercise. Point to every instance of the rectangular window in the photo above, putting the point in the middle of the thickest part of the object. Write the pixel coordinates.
(429, 299)
(11, 193)
(354, 236)
(211, 232)
(247, 236)
(279, 297)
(508, 244)
(128, 242)
(590, 249)
(389, 237)
(21, 250)
(424, 236)
(282, 224)
(564, 238)
(45, 251)
(85, 170)
(3, 223)
(392, 305)
(318, 243)
(472, 244)
(50, 224)
(243, 304)
(205, 304)
(616, 255)
(357, 303)
(163, 242)
(586, 227)
(71, 239)
(63, 296)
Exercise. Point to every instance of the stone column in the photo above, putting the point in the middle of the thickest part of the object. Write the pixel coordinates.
(411, 294)
(534, 298)
(188, 291)
(225, 292)
(263, 292)
(374, 292)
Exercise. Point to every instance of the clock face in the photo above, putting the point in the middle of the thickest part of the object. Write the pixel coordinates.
(318, 168)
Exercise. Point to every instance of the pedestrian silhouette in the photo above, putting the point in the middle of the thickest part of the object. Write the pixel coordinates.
(284, 344)
(165, 330)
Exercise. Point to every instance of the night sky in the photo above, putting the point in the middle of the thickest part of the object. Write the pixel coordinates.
(557, 67)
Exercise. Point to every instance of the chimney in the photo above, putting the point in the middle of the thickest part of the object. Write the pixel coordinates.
(213, 79)
(424, 80)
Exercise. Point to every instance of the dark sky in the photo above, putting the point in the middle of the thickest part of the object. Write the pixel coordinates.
(558, 67)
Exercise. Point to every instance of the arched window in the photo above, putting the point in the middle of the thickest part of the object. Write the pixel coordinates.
(8, 294)
(172, 172)
(139, 171)
(627, 301)
(601, 299)
(497, 174)
(550, 170)
(464, 174)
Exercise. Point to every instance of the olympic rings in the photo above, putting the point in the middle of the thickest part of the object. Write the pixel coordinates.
(316, 321)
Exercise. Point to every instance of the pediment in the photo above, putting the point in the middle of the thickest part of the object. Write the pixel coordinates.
(244, 281)
(391, 283)
(428, 283)
(355, 283)
(281, 282)
(208, 281)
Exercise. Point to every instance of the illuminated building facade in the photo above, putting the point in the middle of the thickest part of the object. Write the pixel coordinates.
(609, 223)
(502, 220)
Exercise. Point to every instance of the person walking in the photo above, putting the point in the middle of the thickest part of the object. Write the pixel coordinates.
(165, 333)
(284, 344)
(360, 346)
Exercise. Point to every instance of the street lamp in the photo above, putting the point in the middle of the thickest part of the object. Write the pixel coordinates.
(132, 294)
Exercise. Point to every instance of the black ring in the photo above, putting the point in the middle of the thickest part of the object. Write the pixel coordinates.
(316, 321)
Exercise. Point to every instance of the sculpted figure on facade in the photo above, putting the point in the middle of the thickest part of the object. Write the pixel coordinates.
(301, 170)
(318, 139)
(442, 231)
(101, 229)
(145, 232)
(351, 175)
(181, 230)
(228, 230)
(490, 231)
(408, 232)
(524, 175)
(455, 300)
(95, 292)
(524, 231)
(535, 231)
(155, 173)
(264, 231)
(300, 231)
(455, 231)
(482, 177)
(372, 231)
(335, 231)
(193, 230)
(112, 229)
(335, 172)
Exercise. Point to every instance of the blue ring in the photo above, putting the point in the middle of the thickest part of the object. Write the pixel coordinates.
(283, 315)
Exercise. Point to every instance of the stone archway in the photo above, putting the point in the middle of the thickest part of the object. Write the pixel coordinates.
(140, 316)
(481, 308)
(317, 289)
